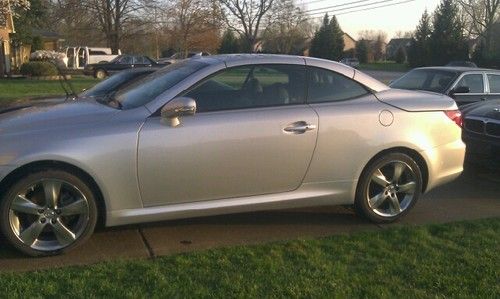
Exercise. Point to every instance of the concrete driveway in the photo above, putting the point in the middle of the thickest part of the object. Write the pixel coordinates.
(472, 196)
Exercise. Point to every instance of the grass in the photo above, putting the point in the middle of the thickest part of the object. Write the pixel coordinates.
(384, 66)
(458, 260)
(12, 89)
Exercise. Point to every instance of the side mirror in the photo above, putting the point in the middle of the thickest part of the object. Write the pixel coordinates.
(176, 108)
(460, 89)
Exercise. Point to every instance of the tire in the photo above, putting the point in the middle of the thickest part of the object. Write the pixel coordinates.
(388, 188)
(100, 74)
(48, 212)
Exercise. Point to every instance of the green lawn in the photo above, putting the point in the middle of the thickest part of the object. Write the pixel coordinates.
(13, 89)
(459, 260)
(384, 66)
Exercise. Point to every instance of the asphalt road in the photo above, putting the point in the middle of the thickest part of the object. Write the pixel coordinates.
(474, 195)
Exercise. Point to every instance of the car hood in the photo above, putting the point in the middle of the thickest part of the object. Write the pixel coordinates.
(51, 113)
(415, 101)
(487, 109)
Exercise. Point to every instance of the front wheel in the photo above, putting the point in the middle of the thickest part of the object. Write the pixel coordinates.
(388, 188)
(48, 212)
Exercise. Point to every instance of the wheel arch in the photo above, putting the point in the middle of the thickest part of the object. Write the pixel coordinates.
(19, 172)
(419, 159)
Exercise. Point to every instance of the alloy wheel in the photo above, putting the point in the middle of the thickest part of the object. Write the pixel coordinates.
(49, 215)
(391, 188)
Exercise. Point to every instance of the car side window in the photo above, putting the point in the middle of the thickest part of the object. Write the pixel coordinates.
(328, 86)
(126, 60)
(494, 81)
(251, 87)
(139, 60)
(473, 81)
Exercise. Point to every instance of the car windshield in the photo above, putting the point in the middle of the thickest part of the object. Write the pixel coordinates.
(426, 79)
(144, 91)
(114, 83)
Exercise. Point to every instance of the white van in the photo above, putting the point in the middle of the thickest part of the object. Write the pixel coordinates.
(79, 57)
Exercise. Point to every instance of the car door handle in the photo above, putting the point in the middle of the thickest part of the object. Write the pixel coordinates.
(299, 127)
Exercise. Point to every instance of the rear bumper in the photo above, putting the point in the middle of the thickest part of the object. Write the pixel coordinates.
(445, 163)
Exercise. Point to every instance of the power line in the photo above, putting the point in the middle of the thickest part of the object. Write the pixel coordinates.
(365, 9)
(338, 5)
(346, 8)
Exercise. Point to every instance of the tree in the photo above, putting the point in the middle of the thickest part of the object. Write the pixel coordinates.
(290, 30)
(111, 15)
(194, 26)
(245, 17)
(363, 50)
(419, 51)
(400, 55)
(12, 7)
(482, 15)
(447, 41)
(376, 42)
(328, 41)
(28, 19)
(229, 43)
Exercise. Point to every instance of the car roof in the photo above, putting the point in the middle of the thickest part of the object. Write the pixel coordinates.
(459, 69)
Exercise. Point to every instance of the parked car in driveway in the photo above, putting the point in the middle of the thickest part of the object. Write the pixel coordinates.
(481, 131)
(120, 63)
(465, 85)
(222, 134)
(354, 62)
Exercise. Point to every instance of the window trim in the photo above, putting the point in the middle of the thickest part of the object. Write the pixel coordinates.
(309, 69)
(485, 90)
(488, 82)
(252, 66)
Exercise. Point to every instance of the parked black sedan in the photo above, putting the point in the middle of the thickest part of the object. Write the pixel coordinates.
(119, 63)
(481, 130)
(464, 84)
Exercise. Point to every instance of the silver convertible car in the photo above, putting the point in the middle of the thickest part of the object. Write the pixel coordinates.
(222, 134)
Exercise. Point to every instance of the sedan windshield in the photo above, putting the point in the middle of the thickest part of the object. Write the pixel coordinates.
(426, 79)
(147, 89)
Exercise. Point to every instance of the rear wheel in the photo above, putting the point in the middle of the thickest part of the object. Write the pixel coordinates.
(100, 74)
(48, 212)
(388, 188)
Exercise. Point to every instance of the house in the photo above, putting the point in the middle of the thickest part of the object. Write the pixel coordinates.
(395, 44)
(349, 43)
(6, 27)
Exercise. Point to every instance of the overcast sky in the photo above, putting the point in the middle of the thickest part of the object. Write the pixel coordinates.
(402, 17)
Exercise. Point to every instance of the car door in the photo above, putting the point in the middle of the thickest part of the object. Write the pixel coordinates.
(253, 134)
(141, 61)
(475, 83)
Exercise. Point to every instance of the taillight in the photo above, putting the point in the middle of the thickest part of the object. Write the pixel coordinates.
(455, 116)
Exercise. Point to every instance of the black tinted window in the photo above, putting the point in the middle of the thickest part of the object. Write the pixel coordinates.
(494, 81)
(251, 87)
(426, 79)
(328, 86)
(126, 60)
(474, 82)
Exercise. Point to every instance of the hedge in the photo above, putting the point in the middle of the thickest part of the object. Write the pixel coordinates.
(38, 68)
